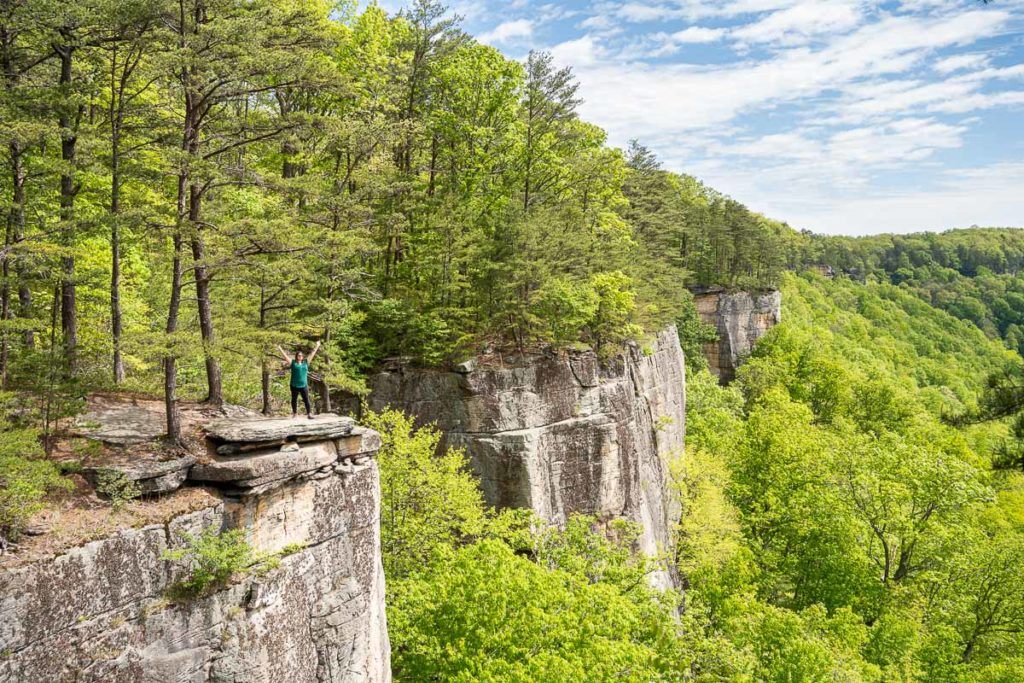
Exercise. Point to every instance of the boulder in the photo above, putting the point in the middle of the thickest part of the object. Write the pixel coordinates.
(121, 422)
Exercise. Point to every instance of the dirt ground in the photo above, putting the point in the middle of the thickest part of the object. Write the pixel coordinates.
(74, 518)
(113, 429)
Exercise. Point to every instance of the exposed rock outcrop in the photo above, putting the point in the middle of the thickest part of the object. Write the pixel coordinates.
(149, 474)
(562, 433)
(101, 612)
(741, 318)
(280, 429)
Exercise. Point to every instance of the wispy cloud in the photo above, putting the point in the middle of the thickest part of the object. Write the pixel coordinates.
(698, 34)
(507, 31)
(798, 24)
(821, 112)
(959, 62)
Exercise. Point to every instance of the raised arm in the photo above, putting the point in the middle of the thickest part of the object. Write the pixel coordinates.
(313, 354)
(287, 358)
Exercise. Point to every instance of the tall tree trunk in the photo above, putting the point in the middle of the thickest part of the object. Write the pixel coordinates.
(5, 306)
(115, 290)
(325, 398)
(264, 367)
(18, 177)
(171, 359)
(116, 121)
(68, 122)
(215, 393)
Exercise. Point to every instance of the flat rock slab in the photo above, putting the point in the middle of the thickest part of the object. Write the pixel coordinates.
(265, 466)
(151, 475)
(263, 430)
(120, 422)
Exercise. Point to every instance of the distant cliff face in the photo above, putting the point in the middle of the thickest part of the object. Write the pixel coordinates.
(741, 318)
(99, 612)
(562, 433)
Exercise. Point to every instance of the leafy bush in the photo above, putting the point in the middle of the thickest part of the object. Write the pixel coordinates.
(616, 302)
(117, 486)
(25, 477)
(693, 334)
(430, 501)
(24, 483)
(563, 308)
(210, 560)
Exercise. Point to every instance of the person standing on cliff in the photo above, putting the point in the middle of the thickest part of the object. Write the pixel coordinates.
(299, 367)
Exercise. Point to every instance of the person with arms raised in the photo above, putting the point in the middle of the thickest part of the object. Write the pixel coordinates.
(299, 366)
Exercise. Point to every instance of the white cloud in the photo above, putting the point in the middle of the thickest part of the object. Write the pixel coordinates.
(988, 196)
(796, 25)
(960, 62)
(698, 34)
(663, 101)
(580, 53)
(979, 101)
(640, 13)
(508, 31)
(902, 140)
(956, 94)
(597, 22)
(850, 155)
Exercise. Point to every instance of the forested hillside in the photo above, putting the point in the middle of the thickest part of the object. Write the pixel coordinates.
(974, 274)
(836, 529)
(188, 184)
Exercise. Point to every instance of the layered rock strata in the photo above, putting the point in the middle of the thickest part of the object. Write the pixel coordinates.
(562, 433)
(741, 318)
(103, 611)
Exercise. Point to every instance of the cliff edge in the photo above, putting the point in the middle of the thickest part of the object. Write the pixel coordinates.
(104, 611)
(741, 318)
(562, 433)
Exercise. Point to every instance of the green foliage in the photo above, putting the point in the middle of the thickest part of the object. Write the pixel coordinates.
(25, 475)
(563, 308)
(429, 500)
(693, 334)
(615, 304)
(972, 274)
(209, 561)
(292, 548)
(834, 527)
(117, 486)
(488, 613)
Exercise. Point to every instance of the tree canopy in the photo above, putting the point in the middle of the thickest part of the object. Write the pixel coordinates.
(189, 183)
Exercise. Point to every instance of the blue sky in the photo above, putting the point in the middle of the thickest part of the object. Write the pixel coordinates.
(840, 116)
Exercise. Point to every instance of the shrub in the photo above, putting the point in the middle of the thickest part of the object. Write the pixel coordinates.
(25, 477)
(24, 483)
(563, 308)
(211, 559)
(117, 486)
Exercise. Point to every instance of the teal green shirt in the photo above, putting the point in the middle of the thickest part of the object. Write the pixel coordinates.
(299, 373)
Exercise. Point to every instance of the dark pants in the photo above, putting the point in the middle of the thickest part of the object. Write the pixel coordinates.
(296, 392)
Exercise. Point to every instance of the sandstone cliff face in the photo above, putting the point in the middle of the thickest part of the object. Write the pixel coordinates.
(99, 612)
(741, 318)
(562, 433)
